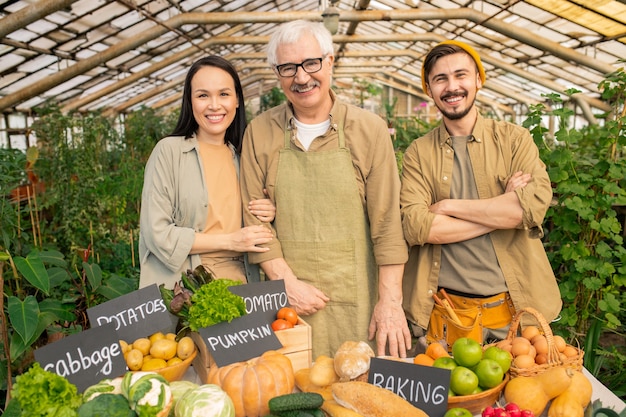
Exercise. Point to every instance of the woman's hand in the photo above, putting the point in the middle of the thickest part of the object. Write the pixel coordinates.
(263, 209)
(247, 238)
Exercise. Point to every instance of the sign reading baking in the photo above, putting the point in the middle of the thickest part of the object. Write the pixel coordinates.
(425, 387)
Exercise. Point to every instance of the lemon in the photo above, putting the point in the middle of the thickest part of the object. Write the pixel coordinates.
(174, 361)
(154, 364)
(156, 336)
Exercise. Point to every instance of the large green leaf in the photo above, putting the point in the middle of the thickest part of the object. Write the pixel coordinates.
(53, 257)
(61, 311)
(116, 286)
(94, 275)
(19, 346)
(34, 271)
(57, 276)
(23, 316)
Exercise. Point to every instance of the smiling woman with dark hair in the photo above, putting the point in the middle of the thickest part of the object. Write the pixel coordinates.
(191, 203)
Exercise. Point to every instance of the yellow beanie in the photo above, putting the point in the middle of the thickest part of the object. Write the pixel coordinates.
(470, 51)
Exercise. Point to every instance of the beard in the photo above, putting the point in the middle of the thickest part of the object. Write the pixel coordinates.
(457, 113)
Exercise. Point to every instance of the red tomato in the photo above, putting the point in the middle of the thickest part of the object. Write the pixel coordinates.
(289, 314)
(281, 324)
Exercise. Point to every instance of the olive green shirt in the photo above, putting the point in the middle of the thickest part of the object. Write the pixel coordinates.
(374, 162)
(499, 150)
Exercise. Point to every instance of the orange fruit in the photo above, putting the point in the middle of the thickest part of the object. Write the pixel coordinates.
(530, 331)
(436, 350)
(423, 359)
(559, 342)
(570, 351)
(523, 362)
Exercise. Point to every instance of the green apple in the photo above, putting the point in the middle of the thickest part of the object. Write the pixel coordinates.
(445, 362)
(458, 412)
(489, 373)
(501, 356)
(467, 352)
(463, 381)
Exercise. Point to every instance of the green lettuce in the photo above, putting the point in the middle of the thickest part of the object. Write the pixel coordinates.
(213, 303)
(45, 394)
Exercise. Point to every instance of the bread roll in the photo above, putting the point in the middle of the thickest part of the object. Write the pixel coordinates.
(323, 371)
(352, 359)
(372, 401)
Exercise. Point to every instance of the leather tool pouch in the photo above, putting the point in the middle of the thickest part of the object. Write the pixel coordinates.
(441, 327)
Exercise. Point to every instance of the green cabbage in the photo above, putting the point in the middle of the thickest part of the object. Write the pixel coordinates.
(179, 388)
(148, 393)
(109, 405)
(207, 400)
(45, 394)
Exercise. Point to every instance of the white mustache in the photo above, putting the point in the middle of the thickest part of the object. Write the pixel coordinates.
(300, 87)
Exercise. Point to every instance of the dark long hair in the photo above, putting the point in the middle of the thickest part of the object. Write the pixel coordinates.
(187, 125)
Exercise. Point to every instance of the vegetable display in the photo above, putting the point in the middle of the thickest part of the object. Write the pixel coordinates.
(207, 400)
(148, 393)
(40, 393)
(109, 405)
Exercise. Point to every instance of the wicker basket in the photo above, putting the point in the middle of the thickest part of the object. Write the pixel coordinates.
(476, 403)
(554, 358)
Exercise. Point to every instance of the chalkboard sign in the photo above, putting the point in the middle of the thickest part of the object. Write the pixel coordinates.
(425, 387)
(265, 297)
(85, 358)
(243, 338)
(136, 314)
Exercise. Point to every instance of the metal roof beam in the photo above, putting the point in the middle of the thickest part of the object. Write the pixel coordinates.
(512, 31)
(29, 14)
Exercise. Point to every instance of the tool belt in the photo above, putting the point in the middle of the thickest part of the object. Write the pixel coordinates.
(473, 313)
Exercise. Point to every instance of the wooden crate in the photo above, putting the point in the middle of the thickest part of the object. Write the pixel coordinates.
(297, 345)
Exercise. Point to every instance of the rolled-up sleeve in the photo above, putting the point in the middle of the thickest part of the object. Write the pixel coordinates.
(160, 216)
(415, 199)
(536, 197)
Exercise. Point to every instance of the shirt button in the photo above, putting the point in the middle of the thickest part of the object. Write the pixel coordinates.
(430, 292)
(447, 150)
(445, 178)
(436, 263)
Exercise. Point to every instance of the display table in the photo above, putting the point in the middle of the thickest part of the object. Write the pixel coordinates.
(600, 392)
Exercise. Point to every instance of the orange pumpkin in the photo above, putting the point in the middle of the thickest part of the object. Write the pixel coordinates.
(253, 383)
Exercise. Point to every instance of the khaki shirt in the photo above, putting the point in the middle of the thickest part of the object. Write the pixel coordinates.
(499, 150)
(373, 159)
(174, 206)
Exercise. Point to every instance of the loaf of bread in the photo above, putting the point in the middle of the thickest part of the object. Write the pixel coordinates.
(372, 401)
(323, 371)
(352, 359)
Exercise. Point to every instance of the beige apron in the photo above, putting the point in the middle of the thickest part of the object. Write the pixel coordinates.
(323, 229)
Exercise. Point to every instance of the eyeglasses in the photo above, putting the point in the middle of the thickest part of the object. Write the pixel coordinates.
(309, 66)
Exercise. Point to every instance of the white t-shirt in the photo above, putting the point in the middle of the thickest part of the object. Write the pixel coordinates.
(306, 133)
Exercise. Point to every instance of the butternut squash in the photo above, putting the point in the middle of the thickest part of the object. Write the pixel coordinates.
(534, 392)
(573, 401)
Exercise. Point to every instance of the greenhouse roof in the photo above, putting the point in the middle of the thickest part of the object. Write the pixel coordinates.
(119, 55)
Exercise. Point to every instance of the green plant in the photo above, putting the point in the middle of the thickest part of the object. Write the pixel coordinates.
(272, 99)
(584, 236)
